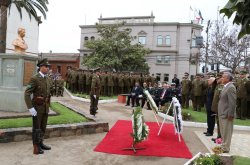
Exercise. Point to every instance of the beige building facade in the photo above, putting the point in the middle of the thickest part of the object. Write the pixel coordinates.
(172, 44)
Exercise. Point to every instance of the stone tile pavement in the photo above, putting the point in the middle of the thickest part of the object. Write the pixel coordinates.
(240, 144)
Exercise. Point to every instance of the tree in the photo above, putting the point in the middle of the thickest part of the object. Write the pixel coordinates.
(30, 6)
(113, 50)
(225, 48)
(242, 17)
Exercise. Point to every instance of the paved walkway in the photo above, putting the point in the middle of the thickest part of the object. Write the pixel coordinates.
(78, 150)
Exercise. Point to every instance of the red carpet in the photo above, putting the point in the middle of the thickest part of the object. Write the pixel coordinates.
(165, 145)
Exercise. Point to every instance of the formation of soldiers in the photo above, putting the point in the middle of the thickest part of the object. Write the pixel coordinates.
(112, 83)
(56, 84)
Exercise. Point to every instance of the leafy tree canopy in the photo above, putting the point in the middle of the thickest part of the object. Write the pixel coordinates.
(114, 50)
(242, 17)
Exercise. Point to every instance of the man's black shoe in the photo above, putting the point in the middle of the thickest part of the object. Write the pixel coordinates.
(44, 147)
(205, 133)
(126, 105)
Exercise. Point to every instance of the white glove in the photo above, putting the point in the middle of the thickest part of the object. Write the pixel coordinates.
(94, 96)
(33, 111)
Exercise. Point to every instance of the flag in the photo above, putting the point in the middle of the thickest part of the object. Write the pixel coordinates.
(200, 15)
(190, 8)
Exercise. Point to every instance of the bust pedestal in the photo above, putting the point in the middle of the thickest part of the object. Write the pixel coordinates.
(15, 73)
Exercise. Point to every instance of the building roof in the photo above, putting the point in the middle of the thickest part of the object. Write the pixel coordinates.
(60, 56)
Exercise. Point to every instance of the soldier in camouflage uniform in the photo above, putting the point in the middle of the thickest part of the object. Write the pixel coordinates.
(242, 96)
(197, 92)
(38, 105)
(95, 92)
(185, 91)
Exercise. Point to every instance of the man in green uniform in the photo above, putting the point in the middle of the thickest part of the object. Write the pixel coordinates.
(95, 92)
(242, 96)
(185, 91)
(110, 79)
(197, 92)
(59, 86)
(38, 106)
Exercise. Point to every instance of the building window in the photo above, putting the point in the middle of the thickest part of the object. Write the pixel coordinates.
(92, 38)
(159, 40)
(193, 44)
(86, 38)
(158, 77)
(58, 69)
(158, 59)
(168, 40)
(166, 59)
(142, 40)
(166, 77)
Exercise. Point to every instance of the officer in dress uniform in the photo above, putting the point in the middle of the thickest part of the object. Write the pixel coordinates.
(95, 92)
(185, 91)
(197, 92)
(38, 105)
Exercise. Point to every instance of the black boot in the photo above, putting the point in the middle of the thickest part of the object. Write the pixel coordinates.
(44, 147)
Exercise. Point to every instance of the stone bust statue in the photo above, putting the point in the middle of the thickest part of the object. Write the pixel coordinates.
(19, 43)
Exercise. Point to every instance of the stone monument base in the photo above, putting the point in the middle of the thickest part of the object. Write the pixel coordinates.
(16, 71)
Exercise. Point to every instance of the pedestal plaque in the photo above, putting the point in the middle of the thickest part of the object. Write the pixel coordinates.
(15, 72)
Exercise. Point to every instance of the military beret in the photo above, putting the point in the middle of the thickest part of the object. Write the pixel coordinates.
(186, 73)
(243, 72)
(43, 62)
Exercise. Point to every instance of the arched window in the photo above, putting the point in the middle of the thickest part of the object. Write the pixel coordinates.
(86, 38)
(168, 40)
(92, 38)
(159, 40)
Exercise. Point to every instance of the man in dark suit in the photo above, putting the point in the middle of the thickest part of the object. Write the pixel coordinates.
(226, 111)
(165, 95)
(135, 92)
(176, 81)
(38, 105)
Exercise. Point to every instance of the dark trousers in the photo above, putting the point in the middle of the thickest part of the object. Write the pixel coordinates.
(185, 101)
(241, 108)
(197, 101)
(93, 104)
(143, 101)
(39, 124)
(210, 121)
(134, 99)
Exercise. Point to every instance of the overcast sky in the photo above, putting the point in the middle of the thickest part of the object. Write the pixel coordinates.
(60, 32)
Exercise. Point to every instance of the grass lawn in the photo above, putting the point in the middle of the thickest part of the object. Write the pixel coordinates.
(65, 116)
(202, 117)
(238, 160)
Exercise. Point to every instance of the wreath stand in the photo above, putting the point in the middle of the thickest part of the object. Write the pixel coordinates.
(134, 140)
(175, 118)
